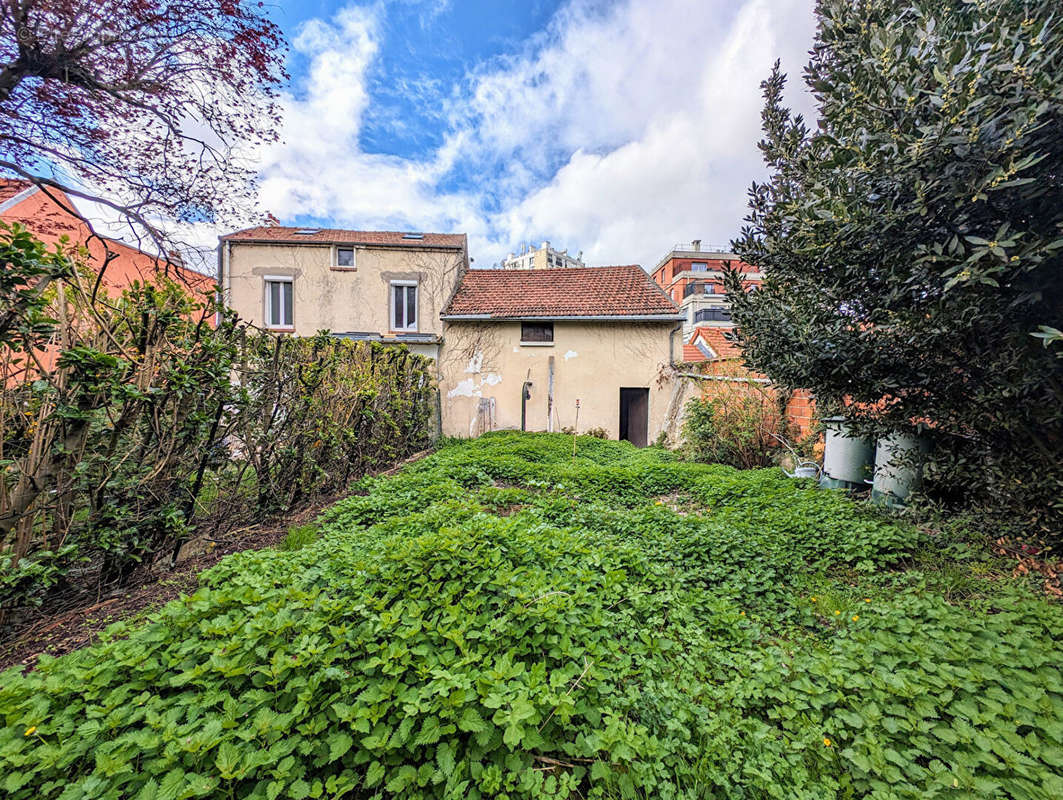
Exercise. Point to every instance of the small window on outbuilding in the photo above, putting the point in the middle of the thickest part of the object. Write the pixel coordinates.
(345, 257)
(537, 332)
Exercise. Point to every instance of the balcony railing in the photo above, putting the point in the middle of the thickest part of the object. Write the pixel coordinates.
(712, 315)
(700, 288)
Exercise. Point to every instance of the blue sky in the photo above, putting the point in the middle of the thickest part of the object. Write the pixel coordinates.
(616, 128)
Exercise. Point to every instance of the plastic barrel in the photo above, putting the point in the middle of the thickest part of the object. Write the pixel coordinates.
(847, 459)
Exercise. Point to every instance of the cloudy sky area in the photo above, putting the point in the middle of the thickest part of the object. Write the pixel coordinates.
(615, 128)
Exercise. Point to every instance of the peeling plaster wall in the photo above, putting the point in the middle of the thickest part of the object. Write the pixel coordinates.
(592, 360)
(342, 299)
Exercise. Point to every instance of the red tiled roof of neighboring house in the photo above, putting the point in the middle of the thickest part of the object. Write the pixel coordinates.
(289, 235)
(626, 291)
(47, 216)
(9, 187)
(717, 342)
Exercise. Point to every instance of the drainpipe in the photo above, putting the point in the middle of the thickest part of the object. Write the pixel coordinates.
(550, 399)
(671, 343)
(525, 396)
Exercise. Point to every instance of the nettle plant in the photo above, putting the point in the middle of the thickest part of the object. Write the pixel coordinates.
(503, 619)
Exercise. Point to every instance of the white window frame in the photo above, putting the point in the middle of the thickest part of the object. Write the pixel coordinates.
(266, 281)
(336, 256)
(391, 306)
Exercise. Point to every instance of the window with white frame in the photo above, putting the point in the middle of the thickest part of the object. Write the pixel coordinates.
(345, 257)
(403, 306)
(279, 302)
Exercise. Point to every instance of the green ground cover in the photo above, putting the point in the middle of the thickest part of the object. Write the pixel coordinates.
(504, 620)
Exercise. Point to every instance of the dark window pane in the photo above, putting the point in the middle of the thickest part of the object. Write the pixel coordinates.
(273, 311)
(537, 331)
(411, 306)
(397, 316)
(286, 316)
(345, 257)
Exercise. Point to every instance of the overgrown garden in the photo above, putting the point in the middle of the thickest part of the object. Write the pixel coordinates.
(505, 619)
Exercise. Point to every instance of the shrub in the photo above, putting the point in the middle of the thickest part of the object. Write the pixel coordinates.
(911, 240)
(148, 420)
(426, 647)
(736, 428)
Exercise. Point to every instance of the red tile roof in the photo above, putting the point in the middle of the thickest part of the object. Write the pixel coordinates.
(566, 292)
(287, 235)
(717, 341)
(9, 187)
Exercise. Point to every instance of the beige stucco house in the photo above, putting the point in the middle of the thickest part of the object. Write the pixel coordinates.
(380, 285)
(524, 347)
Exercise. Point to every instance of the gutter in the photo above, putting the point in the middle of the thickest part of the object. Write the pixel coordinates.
(420, 245)
(569, 317)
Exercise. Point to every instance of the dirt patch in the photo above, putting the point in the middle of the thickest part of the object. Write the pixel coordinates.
(148, 589)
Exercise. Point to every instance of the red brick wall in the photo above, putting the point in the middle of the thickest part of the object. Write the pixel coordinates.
(800, 408)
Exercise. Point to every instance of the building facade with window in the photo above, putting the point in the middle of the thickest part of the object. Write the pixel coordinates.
(545, 257)
(693, 277)
(553, 350)
(376, 285)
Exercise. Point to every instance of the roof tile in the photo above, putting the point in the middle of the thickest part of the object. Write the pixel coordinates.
(576, 292)
(289, 235)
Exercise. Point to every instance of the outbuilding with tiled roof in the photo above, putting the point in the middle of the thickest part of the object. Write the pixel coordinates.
(583, 348)
(621, 292)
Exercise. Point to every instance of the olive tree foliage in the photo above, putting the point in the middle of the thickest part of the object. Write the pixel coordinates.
(913, 239)
(153, 108)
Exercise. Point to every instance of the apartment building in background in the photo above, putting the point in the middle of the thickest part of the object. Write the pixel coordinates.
(385, 286)
(545, 257)
(692, 276)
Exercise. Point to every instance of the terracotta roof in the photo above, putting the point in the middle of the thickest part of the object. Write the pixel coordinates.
(564, 292)
(9, 187)
(287, 235)
(715, 339)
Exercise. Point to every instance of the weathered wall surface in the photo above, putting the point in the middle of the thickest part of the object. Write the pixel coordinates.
(483, 367)
(341, 299)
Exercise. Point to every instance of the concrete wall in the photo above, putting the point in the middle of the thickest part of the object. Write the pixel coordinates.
(484, 365)
(341, 299)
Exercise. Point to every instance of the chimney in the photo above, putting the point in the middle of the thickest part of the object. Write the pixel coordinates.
(697, 245)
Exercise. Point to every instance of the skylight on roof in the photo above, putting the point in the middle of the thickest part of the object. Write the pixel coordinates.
(307, 231)
(413, 236)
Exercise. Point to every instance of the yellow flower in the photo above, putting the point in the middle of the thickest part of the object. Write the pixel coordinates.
(743, 613)
(836, 613)
(826, 742)
(867, 599)
(31, 730)
(813, 599)
(856, 617)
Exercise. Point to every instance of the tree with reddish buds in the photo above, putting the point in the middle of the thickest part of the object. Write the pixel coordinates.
(152, 108)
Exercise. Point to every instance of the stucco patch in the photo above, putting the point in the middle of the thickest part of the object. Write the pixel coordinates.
(475, 363)
(467, 388)
(570, 354)
(492, 379)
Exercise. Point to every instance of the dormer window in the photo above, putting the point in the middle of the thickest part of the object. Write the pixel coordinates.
(344, 257)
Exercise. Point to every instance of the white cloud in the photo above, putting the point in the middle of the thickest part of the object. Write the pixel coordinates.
(616, 130)
(679, 90)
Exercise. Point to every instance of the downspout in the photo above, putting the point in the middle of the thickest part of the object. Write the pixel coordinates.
(550, 399)
(525, 396)
(671, 343)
